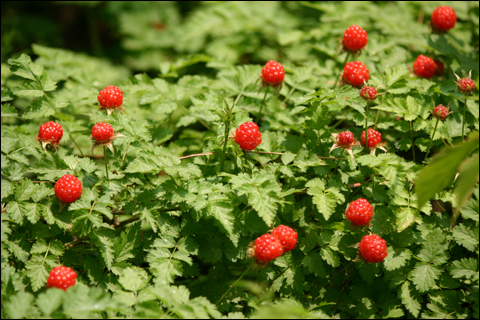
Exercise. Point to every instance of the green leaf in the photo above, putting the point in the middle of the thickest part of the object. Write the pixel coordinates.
(465, 268)
(466, 236)
(84, 302)
(330, 257)
(326, 200)
(439, 173)
(50, 300)
(434, 248)
(424, 276)
(19, 305)
(126, 243)
(442, 304)
(396, 258)
(38, 268)
(25, 68)
(466, 182)
(411, 298)
(104, 239)
(8, 110)
(134, 279)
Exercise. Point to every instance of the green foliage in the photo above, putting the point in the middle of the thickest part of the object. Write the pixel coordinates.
(164, 223)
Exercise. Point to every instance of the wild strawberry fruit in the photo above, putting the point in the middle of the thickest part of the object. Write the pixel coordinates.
(368, 93)
(68, 188)
(360, 212)
(424, 67)
(373, 248)
(247, 136)
(103, 135)
(465, 85)
(50, 133)
(441, 112)
(444, 18)
(345, 140)
(355, 73)
(287, 236)
(111, 98)
(273, 74)
(440, 67)
(354, 38)
(62, 277)
(267, 248)
(374, 140)
(102, 132)
(374, 137)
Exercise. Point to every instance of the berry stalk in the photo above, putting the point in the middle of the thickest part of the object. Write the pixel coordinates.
(344, 62)
(366, 127)
(233, 285)
(338, 161)
(431, 140)
(106, 162)
(261, 107)
(413, 141)
(463, 119)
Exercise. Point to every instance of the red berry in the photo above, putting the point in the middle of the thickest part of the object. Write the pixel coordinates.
(360, 212)
(68, 188)
(368, 93)
(273, 73)
(373, 248)
(346, 138)
(441, 112)
(374, 138)
(50, 132)
(354, 38)
(267, 248)
(102, 131)
(110, 98)
(247, 136)
(355, 73)
(424, 67)
(444, 18)
(466, 85)
(287, 236)
(62, 277)
(440, 67)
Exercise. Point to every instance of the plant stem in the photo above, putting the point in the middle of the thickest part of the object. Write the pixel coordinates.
(290, 93)
(75, 143)
(340, 75)
(366, 127)
(413, 142)
(227, 129)
(431, 140)
(233, 285)
(106, 162)
(338, 161)
(261, 107)
(463, 120)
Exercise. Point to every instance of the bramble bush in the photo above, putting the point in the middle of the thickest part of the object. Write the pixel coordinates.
(170, 203)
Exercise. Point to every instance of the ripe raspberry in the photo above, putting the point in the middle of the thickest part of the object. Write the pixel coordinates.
(444, 18)
(62, 277)
(287, 236)
(374, 138)
(465, 85)
(354, 38)
(360, 212)
(110, 98)
(355, 73)
(424, 67)
(368, 93)
(50, 133)
(102, 132)
(441, 112)
(273, 73)
(440, 67)
(267, 248)
(373, 248)
(68, 188)
(346, 138)
(247, 136)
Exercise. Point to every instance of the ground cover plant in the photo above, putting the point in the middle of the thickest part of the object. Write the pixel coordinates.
(245, 160)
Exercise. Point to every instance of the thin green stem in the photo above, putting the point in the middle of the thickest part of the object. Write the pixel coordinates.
(378, 111)
(233, 285)
(106, 162)
(338, 161)
(290, 93)
(340, 75)
(261, 107)
(75, 143)
(463, 120)
(431, 140)
(125, 155)
(366, 127)
(413, 142)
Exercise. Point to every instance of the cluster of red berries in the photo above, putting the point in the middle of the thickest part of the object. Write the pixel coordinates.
(272, 245)
(346, 140)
